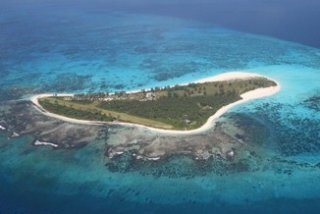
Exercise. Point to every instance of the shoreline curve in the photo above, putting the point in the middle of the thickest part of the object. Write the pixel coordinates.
(210, 123)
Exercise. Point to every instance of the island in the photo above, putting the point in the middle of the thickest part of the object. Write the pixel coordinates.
(183, 107)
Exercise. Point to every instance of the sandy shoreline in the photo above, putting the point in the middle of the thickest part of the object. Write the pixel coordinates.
(250, 95)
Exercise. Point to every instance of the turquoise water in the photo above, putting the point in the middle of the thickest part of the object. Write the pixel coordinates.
(86, 50)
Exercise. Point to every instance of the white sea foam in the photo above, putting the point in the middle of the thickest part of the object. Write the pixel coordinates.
(41, 143)
(15, 134)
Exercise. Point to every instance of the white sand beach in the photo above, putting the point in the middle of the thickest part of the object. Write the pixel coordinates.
(230, 76)
(251, 95)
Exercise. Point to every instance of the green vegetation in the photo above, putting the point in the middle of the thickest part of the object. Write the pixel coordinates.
(68, 111)
(179, 107)
(181, 112)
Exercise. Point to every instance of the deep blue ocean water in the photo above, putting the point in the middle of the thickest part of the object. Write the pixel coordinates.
(52, 46)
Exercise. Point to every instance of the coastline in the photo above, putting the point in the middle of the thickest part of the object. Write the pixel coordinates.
(247, 96)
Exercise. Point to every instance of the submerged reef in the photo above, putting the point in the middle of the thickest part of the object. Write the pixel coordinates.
(232, 146)
(174, 71)
(21, 118)
(67, 82)
(15, 92)
(229, 147)
(313, 102)
(238, 143)
(292, 133)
